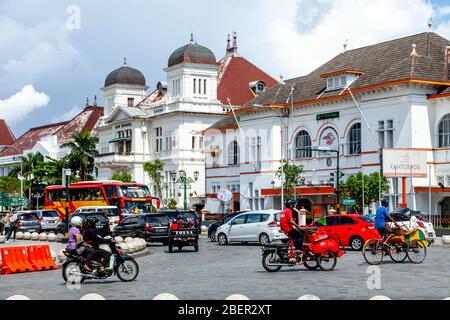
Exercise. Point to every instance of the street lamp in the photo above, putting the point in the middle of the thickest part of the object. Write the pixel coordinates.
(185, 181)
(337, 176)
(67, 174)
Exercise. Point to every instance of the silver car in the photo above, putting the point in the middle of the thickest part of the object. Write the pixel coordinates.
(49, 219)
(28, 221)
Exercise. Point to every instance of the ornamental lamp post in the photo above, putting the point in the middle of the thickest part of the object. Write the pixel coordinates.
(67, 174)
(185, 181)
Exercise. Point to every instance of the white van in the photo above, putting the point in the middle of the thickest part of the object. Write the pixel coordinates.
(110, 211)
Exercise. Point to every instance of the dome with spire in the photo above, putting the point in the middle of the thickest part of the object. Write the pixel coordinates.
(125, 75)
(192, 53)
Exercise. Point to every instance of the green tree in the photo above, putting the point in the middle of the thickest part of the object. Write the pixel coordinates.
(352, 188)
(124, 177)
(172, 204)
(292, 176)
(82, 153)
(154, 171)
(10, 185)
(49, 172)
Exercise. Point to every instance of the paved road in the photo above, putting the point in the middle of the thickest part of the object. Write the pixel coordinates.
(217, 272)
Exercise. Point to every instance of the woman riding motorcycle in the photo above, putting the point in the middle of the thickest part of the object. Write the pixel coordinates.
(92, 241)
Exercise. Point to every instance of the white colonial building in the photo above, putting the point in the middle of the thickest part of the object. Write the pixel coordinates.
(168, 123)
(403, 89)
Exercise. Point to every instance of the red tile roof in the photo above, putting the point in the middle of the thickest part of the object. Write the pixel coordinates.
(235, 74)
(30, 138)
(6, 136)
(85, 120)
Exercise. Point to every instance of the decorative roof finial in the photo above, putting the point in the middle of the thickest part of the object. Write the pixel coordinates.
(235, 41)
(430, 24)
(95, 101)
(228, 43)
(87, 101)
(125, 62)
(414, 52)
(192, 38)
(345, 45)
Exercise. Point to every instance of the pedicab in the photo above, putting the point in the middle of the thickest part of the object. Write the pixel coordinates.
(401, 243)
(319, 250)
(183, 232)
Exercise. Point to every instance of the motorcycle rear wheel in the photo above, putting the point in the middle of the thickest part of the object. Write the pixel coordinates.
(67, 271)
(327, 262)
(128, 270)
(268, 258)
(311, 264)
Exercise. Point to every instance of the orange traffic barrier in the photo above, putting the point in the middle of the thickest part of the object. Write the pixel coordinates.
(15, 259)
(41, 258)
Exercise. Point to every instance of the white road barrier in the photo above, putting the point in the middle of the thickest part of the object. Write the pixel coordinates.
(165, 296)
(19, 235)
(27, 236)
(309, 297)
(18, 297)
(35, 236)
(380, 298)
(237, 297)
(51, 237)
(92, 296)
(43, 237)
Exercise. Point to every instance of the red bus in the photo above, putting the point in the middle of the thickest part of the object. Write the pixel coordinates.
(129, 198)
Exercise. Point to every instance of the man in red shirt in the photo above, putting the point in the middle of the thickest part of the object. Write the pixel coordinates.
(289, 226)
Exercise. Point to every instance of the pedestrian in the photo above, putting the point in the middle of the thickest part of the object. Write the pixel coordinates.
(6, 223)
(332, 211)
(13, 226)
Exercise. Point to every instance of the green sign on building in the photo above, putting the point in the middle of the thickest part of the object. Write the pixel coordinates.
(325, 116)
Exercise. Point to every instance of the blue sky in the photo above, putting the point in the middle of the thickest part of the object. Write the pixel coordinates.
(47, 69)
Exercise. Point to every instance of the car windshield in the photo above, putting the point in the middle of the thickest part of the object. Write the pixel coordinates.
(157, 220)
(367, 219)
(50, 214)
(142, 206)
(100, 217)
(135, 192)
(228, 218)
(29, 217)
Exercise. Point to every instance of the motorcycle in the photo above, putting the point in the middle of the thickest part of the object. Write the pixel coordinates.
(318, 251)
(122, 265)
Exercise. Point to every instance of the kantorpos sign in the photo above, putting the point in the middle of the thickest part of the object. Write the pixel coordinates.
(404, 163)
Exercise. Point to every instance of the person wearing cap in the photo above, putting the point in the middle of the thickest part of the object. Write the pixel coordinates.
(381, 216)
(332, 211)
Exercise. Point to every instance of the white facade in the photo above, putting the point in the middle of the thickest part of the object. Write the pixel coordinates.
(168, 127)
(400, 116)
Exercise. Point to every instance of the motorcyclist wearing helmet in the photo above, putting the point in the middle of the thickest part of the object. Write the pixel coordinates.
(289, 226)
(93, 241)
(75, 243)
(381, 216)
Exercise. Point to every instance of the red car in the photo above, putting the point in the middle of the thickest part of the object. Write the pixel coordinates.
(353, 230)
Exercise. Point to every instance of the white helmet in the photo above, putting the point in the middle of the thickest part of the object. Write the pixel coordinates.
(76, 221)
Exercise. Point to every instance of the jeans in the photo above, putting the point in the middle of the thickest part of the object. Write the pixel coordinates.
(10, 232)
(297, 237)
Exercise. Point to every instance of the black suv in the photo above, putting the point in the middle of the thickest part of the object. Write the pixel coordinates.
(102, 227)
(153, 227)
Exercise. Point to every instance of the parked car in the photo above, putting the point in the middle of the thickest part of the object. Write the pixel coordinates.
(215, 225)
(28, 222)
(352, 229)
(102, 226)
(257, 226)
(153, 227)
(49, 219)
(110, 211)
(415, 220)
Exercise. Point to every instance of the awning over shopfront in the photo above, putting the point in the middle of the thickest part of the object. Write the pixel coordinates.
(119, 140)
(433, 190)
(312, 191)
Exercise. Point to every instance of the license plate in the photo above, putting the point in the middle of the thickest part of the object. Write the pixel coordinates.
(32, 230)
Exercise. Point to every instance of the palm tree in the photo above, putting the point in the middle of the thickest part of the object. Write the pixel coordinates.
(155, 173)
(82, 154)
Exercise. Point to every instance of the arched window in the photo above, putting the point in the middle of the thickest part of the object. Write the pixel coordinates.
(354, 139)
(233, 153)
(444, 132)
(303, 145)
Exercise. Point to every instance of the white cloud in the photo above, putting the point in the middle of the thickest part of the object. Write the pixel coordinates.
(69, 115)
(32, 53)
(300, 35)
(21, 104)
